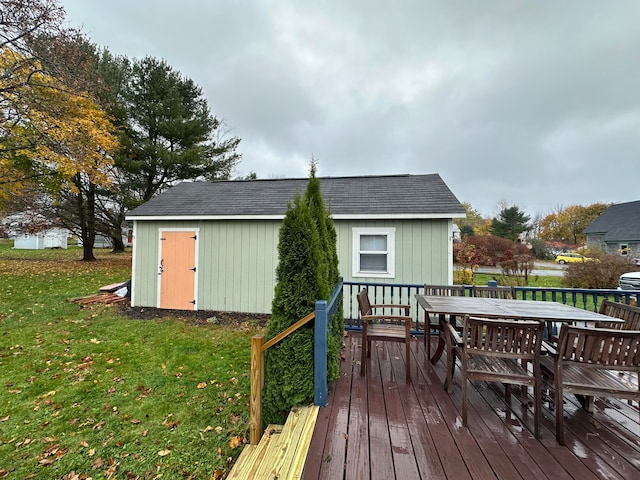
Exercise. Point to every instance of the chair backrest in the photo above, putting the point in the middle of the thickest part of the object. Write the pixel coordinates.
(493, 292)
(363, 302)
(628, 313)
(617, 349)
(503, 338)
(444, 290)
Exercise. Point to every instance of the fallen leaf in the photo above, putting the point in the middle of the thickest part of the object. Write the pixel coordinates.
(95, 340)
(84, 444)
(26, 441)
(236, 441)
(97, 463)
(173, 424)
(164, 453)
(4, 419)
(202, 385)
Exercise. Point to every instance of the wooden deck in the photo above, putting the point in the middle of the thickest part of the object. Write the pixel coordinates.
(379, 427)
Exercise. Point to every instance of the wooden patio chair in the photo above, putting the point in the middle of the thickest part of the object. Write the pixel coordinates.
(499, 351)
(586, 362)
(384, 327)
(434, 323)
(486, 291)
(628, 313)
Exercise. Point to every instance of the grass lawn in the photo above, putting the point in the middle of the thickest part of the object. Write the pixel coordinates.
(534, 280)
(90, 392)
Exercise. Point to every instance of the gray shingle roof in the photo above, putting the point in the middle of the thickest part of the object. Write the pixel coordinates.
(393, 195)
(619, 222)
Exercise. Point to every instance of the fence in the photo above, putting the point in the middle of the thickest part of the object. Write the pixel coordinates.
(588, 299)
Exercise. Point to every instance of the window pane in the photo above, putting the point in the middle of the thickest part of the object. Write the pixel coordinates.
(373, 262)
(373, 243)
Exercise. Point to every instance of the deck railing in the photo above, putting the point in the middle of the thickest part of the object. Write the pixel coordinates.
(322, 314)
(394, 293)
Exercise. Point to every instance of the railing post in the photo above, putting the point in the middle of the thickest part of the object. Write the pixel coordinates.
(257, 380)
(320, 354)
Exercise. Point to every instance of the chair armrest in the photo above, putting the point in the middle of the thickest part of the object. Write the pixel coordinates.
(392, 306)
(452, 334)
(402, 318)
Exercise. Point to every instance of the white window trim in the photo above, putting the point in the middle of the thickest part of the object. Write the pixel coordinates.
(390, 233)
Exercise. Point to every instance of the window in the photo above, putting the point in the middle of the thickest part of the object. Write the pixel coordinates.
(374, 252)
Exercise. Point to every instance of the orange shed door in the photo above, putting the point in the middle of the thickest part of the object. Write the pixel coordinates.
(178, 269)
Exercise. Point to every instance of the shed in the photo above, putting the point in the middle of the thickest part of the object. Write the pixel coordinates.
(617, 229)
(213, 245)
(50, 238)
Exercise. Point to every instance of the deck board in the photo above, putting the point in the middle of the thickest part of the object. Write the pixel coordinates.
(376, 426)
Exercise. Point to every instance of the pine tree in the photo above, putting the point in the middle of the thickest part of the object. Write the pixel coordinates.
(510, 223)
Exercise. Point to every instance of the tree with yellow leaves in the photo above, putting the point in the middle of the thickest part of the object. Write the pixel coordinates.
(50, 133)
(568, 224)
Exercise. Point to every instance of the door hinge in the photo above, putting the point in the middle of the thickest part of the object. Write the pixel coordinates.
(193, 301)
(161, 238)
(194, 269)
(195, 237)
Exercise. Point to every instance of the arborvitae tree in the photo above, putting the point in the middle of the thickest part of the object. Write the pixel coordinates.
(300, 281)
(328, 241)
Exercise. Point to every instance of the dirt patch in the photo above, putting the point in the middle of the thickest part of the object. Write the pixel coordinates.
(198, 317)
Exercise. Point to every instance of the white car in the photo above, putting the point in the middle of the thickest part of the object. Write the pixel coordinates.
(629, 281)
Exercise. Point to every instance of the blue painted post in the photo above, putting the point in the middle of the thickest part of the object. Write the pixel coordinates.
(320, 389)
(492, 283)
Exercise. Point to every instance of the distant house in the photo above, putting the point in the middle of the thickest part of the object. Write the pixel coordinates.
(32, 231)
(50, 238)
(213, 246)
(616, 230)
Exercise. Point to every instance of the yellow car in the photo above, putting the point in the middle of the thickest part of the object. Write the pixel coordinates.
(571, 258)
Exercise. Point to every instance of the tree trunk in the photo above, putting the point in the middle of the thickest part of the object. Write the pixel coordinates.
(118, 245)
(89, 225)
(87, 247)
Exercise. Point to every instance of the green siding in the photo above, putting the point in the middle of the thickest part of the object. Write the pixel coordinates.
(422, 250)
(237, 259)
(237, 265)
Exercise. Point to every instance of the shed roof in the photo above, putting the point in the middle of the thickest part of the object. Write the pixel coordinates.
(619, 222)
(389, 196)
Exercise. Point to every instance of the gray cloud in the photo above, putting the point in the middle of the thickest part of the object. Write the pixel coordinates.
(534, 103)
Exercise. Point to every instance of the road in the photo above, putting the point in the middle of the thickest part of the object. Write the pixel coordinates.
(542, 269)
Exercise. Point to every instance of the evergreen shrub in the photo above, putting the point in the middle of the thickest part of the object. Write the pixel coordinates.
(300, 281)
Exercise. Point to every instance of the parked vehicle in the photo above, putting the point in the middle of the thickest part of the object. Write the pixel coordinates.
(571, 257)
(629, 281)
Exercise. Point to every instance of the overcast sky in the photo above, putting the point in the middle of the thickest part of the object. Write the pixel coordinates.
(527, 102)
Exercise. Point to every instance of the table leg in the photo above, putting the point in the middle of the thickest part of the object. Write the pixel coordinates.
(441, 343)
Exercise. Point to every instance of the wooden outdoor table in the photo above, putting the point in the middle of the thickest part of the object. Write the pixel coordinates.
(501, 308)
